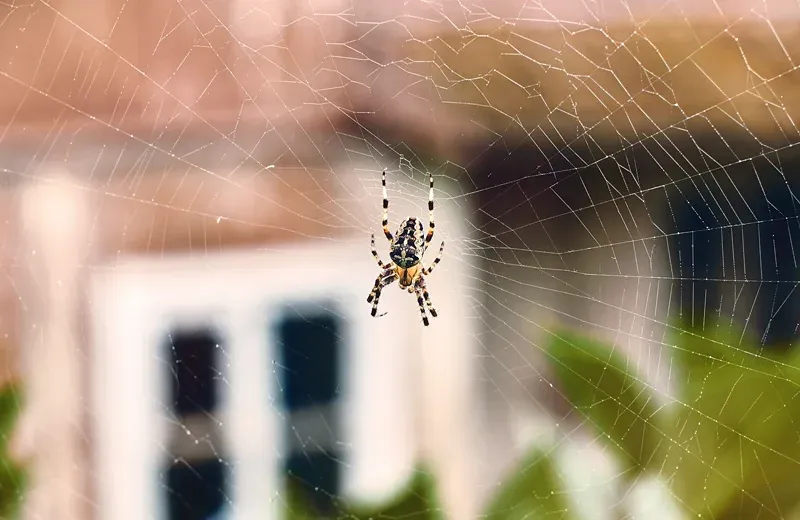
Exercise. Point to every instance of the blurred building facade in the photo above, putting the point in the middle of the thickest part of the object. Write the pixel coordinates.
(178, 146)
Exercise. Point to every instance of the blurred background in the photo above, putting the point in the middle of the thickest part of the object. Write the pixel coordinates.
(188, 194)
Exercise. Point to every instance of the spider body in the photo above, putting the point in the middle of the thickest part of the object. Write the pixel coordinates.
(407, 247)
(407, 244)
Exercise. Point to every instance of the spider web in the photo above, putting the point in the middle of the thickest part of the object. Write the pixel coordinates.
(626, 170)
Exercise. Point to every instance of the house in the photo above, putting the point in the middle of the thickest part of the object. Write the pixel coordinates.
(191, 189)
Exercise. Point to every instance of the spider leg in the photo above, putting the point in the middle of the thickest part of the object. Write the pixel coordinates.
(375, 254)
(385, 208)
(428, 270)
(385, 278)
(431, 223)
(421, 303)
(421, 285)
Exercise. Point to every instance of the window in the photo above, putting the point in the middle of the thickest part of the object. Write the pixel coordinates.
(192, 354)
(695, 260)
(195, 480)
(309, 346)
(778, 301)
(734, 253)
(243, 350)
(195, 490)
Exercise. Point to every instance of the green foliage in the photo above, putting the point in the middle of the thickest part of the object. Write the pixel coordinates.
(599, 384)
(12, 477)
(735, 444)
(533, 491)
(730, 446)
(417, 501)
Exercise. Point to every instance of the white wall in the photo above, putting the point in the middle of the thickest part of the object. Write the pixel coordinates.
(49, 437)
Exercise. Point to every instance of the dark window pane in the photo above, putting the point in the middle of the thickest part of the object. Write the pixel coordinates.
(194, 374)
(734, 249)
(195, 491)
(776, 310)
(315, 477)
(695, 259)
(309, 350)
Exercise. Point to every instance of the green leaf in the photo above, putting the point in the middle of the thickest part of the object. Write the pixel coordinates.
(735, 444)
(533, 491)
(298, 505)
(599, 384)
(12, 477)
(418, 500)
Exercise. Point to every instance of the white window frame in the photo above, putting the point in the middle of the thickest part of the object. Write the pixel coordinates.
(135, 301)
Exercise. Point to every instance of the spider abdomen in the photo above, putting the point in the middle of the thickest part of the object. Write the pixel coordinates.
(408, 244)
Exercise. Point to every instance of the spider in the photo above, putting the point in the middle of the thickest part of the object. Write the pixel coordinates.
(407, 248)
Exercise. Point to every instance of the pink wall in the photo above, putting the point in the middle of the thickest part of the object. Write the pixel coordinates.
(147, 66)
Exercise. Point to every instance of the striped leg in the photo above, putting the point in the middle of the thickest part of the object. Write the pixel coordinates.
(375, 254)
(428, 270)
(421, 303)
(385, 209)
(431, 223)
(426, 296)
(385, 278)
